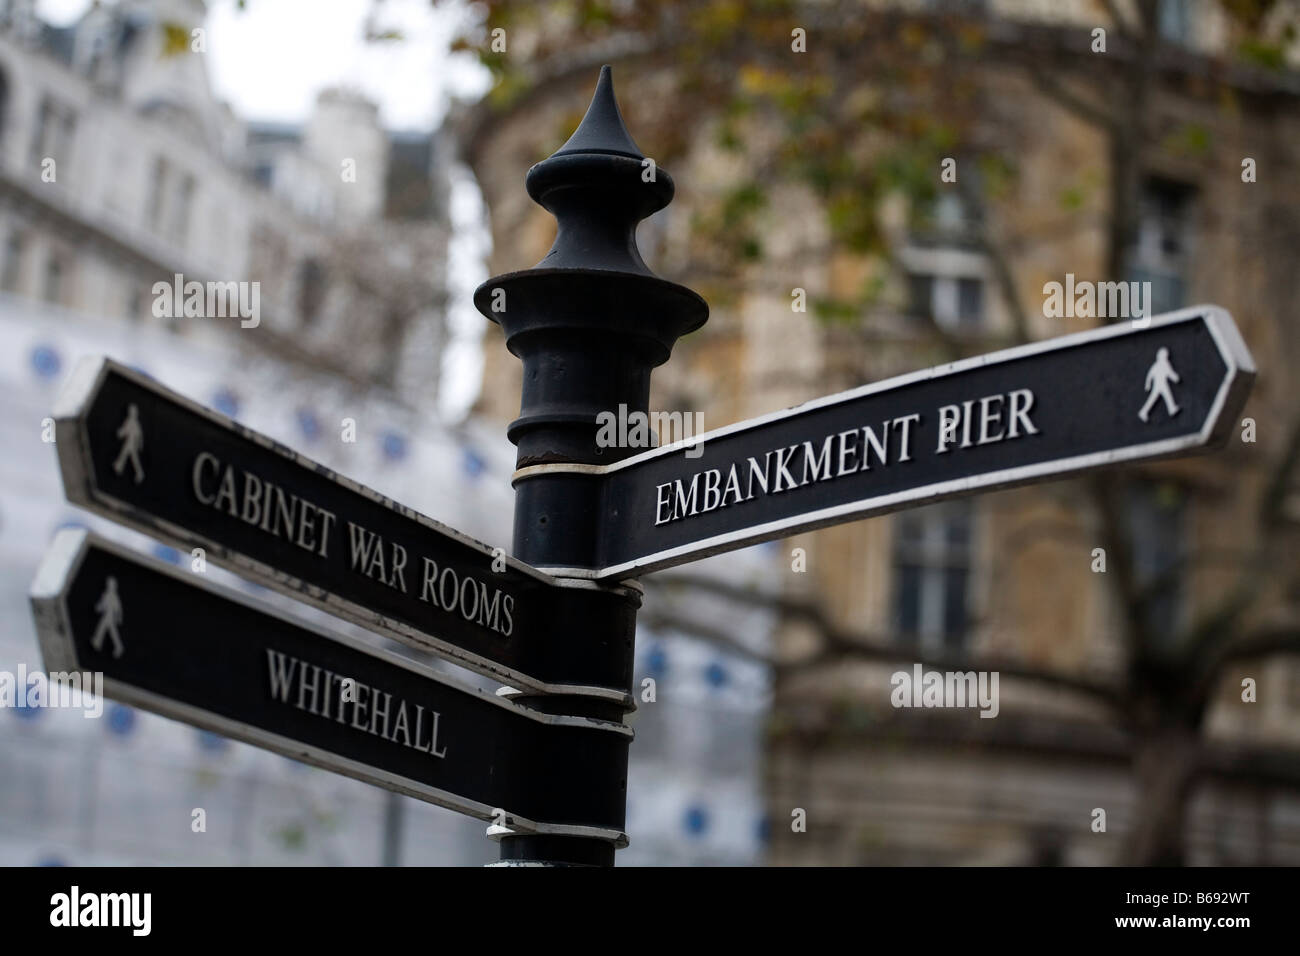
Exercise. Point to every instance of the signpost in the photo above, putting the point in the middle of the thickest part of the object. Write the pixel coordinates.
(1058, 407)
(148, 458)
(589, 323)
(169, 642)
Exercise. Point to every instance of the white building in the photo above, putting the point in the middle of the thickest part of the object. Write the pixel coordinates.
(119, 170)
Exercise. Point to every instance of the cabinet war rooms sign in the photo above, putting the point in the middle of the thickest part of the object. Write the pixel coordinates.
(151, 459)
(1120, 393)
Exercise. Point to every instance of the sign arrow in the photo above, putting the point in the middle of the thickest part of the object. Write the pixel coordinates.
(155, 461)
(169, 642)
(1166, 386)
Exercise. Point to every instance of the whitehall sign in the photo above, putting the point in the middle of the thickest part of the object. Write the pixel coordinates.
(1057, 407)
(151, 459)
(170, 642)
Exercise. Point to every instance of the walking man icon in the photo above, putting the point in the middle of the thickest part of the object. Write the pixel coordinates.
(1159, 377)
(109, 608)
(132, 435)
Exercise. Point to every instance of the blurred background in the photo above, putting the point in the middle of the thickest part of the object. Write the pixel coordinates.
(1110, 139)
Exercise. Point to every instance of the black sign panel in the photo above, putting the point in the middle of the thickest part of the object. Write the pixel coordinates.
(155, 461)
(1166, 386)
(168, 641)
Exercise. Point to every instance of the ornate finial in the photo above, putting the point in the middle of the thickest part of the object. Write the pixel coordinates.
(599, 186)
(570, 317)
(602, 129)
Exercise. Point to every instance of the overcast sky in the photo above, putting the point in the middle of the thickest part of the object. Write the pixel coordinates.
(270, 60)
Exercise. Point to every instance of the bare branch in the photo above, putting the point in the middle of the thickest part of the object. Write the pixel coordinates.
(1120, 22)
(839, 645)
(1279, 485)
(1265, 642)
(1090, 112)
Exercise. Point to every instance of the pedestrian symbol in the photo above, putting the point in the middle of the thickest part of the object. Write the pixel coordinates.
(109, 609)
(132, 435)
(1159, 377)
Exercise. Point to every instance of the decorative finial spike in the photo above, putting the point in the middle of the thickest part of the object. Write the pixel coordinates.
(602, 129)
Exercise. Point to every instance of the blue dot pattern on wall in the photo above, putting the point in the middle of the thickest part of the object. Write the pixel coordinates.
(46, 362)
(121, 719)
(762, 829)
(226, 402)
(656, 661)
(394, 446)
(696, 820)
(21, 710)
(51, 861)
(716, 675)
(472, 462)
(212, 743)
(308, 424)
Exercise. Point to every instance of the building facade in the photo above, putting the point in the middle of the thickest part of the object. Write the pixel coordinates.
(1008, 582)
(119, 169)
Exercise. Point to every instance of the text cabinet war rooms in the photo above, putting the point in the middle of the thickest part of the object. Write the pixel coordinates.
(545, 759)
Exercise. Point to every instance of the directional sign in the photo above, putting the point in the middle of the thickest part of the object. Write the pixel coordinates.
(168, 641)
(1167, 386)
(151, 459)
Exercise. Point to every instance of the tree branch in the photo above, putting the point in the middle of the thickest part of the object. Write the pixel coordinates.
(839, 645)
(1092, 113)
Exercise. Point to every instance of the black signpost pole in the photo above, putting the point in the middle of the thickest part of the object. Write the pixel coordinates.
(589, 322)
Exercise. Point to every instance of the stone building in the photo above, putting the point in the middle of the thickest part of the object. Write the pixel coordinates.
(120, 169)
(1006, 581)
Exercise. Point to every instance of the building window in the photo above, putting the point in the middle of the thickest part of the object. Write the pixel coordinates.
(932, 566)
(311, 291)
(1162, 253)
(135, 304)
(1156, 525)
(945, 270)
(4, 103)
(1293, 684)
(954, 302)
(13, 263)
(1174, 21)
(55, 285)
(55, 125)
(180, 212)
(158, 193)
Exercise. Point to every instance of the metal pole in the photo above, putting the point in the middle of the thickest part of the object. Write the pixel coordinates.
(394, 811)
(589, 322)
